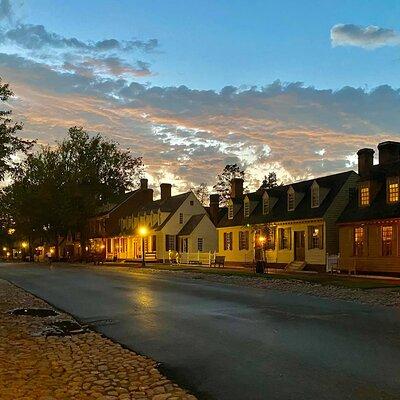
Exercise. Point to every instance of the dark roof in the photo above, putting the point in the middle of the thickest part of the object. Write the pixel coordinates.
(278, 200)
(109, 207)
(379, 208)
(189, 227)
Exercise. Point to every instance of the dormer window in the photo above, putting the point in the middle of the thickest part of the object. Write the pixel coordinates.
(246, 206)
(314, 195)
(364, 196)
(290, 199)
(230, 210)
(392, 190)
(265, 205)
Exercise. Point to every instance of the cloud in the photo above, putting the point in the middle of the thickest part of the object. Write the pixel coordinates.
(6, 12)
(368, 37)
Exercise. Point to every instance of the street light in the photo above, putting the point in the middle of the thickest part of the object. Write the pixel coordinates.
(143, 232)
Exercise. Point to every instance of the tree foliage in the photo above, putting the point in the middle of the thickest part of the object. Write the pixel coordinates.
(58, 188)
(202, 193)
(223, 185)
(10, 143)
(269, 181)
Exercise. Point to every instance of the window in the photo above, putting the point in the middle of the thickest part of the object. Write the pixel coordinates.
(200, 244)
(393, 190)
(315, 195)
(284, 238)
(358, 241)
(228, 241)
(271, 238)
(290, 200)
(265, 204)
(181, 218)
(246, 208)
(315, 237)
(364, 196)
(230, 210)
(243, 240)
(169, 242)
(387, 240)
(191, 202)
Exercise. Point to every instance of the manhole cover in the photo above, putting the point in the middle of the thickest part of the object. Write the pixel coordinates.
(64, 328)
(35, 312)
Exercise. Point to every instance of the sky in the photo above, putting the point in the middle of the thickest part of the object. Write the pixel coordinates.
(295, 87)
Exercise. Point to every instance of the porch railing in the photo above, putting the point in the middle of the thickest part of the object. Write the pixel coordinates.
(198, 258)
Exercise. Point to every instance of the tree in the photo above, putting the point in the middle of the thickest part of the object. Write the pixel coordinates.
(58, 189)
(10, 144)
(202, 193)
(269, 181)
(223, 185)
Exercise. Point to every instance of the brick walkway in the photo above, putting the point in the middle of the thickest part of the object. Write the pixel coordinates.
(82, 366)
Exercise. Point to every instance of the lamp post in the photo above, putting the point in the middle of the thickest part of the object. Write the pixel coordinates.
(143, 232)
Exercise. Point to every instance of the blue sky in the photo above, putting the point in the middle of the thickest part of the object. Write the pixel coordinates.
(295, 87)
(211, 44)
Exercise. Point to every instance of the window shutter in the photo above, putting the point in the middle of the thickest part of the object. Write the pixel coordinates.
(290, 238)
(166, 242)
(310, 237)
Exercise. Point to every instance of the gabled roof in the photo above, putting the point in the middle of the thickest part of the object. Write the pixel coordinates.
(109, 207)
(191, 225)
(379, 208)
(279, 211)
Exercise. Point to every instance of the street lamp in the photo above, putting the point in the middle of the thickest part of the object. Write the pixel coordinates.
(143, 232)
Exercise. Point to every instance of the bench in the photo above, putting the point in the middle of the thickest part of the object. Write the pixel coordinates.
(219, 261)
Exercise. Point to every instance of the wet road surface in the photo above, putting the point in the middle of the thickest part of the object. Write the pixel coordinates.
(229, 342)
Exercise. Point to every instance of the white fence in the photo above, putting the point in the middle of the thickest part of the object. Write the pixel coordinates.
(198, 258)
(332, 263)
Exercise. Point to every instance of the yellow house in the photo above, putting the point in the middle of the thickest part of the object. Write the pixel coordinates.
(369, 227)
(291, 226)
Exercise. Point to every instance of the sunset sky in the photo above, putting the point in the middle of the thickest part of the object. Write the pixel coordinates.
(295, 87)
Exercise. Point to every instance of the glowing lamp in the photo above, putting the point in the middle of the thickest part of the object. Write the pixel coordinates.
(143, 231)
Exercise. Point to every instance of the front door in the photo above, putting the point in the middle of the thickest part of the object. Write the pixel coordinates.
(299, 245)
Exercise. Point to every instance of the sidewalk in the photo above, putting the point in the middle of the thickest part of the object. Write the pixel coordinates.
(83, 366)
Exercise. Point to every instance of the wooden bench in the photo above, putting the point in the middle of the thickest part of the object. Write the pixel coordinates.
(219, 261)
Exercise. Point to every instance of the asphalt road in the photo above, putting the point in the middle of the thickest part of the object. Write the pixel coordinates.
(230, 342)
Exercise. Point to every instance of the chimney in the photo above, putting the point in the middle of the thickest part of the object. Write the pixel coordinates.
(143, 184)
(365, 161)
(389, 152)
(165, 191)
(214, 207)
(236, 188)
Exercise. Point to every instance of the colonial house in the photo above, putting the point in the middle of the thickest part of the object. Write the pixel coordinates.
(290, 226)
(172, 224)
(369, 227)
(105, 223)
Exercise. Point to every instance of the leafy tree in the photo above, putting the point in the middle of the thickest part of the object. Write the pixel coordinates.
(57, 189)
(269, 181)
(202, 193)
(10, 144)
(223, 185)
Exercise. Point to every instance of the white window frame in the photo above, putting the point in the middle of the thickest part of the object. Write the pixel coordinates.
(291, 198)
(315, 195)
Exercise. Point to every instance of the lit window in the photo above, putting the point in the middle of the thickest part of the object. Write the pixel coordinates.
(271, 238)
(200, 244)
(228, 240)
(265, 204)
(181, 218)
(364, 196)
(246, 208)
(387, 240)
(243, 240)
(393, 190)
(358, 241)
(284, 238)
(290, 200)
(315, 196)
(230, 210)
(315, 237)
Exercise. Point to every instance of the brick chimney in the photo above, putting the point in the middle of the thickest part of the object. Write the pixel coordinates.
(144, 183)
(365, 161)
(236, 188)
(389, 152)
(214, 207)
(165, 191)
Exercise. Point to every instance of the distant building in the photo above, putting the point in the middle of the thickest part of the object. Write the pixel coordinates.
(291, 226)
(370, 224)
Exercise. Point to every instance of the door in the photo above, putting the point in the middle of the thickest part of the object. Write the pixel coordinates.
(299, 245)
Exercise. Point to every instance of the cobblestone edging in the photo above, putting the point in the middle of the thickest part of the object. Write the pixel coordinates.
(384, 296)
(84, 366)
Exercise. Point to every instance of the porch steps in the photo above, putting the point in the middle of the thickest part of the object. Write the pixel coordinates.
(295, 266)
